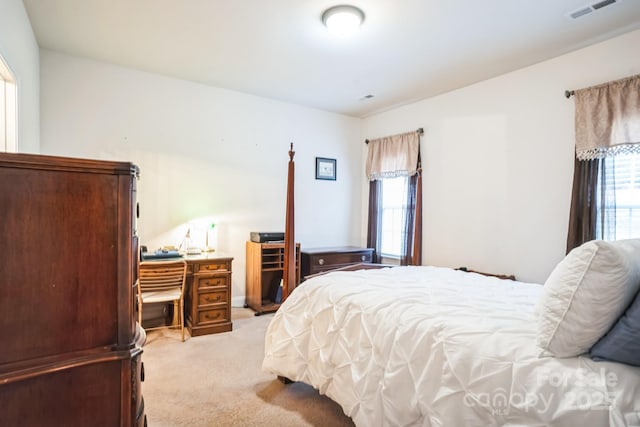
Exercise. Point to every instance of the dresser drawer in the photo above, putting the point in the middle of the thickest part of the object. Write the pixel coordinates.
(338, 259)
(212, 316)
(211, 266)
(211, 281)
(322, 259)
(214, 297)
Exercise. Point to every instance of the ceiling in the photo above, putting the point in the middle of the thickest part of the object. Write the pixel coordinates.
(406, 50)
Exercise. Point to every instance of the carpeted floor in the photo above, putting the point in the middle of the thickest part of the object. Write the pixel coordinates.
(217, 380)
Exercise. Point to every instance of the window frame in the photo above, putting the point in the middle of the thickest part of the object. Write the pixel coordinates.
(8, 109)
(621, 181)
(399, 230)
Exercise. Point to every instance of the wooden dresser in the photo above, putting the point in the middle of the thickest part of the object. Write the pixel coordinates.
(70, 346)
(317, 260)
(208, 294)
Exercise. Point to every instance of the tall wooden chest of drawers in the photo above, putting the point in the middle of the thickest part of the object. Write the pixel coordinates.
(317, 260)
(208, 294)
(70, 346)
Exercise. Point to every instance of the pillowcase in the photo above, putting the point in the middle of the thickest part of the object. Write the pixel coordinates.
(622, 342)
(585, 294)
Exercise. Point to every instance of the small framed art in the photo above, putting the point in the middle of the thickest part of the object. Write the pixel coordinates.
(325, 168)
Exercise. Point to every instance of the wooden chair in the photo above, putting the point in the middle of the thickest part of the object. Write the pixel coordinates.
(162, 281)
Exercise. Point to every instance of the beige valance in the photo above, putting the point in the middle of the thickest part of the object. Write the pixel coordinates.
(608, 119)
(393, 156)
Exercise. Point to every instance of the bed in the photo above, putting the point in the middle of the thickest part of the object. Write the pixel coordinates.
(429, 346)
(433, 346)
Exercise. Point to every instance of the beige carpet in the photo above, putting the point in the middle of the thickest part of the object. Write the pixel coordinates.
(217, 380)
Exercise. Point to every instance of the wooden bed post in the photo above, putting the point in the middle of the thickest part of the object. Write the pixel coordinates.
(289, 272)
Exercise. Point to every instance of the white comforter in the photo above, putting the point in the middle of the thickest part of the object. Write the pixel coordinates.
(427, 346)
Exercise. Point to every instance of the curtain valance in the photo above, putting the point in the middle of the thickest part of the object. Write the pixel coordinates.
(607, 119)
(393, 156)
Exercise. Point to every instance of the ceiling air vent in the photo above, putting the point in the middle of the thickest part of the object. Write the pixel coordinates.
(580, 12)
(585, 10)
(602, 4)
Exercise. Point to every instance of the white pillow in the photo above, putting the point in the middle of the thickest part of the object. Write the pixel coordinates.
(585, 294)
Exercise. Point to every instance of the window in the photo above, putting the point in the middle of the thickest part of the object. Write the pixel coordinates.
(393, 213)
(619, 198)
(605, 201)
(8, 108)
(394, 226)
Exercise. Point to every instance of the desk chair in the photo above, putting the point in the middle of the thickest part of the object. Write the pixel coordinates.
(162, 281)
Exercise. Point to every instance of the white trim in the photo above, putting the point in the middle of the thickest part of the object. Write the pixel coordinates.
(8, 109)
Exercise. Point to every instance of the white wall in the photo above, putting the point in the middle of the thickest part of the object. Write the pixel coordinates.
(19, 49)
(498, 157)
(205, 152)
(498, 161)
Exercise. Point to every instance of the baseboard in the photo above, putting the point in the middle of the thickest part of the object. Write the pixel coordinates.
(238, 301)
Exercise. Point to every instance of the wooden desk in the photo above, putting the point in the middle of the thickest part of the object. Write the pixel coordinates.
(208, 294)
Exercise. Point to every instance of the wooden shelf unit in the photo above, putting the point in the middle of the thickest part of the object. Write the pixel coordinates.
(265, 265)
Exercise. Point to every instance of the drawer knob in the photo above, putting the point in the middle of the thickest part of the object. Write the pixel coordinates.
(363, 257)
(321, 261)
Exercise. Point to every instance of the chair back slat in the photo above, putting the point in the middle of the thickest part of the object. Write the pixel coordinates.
(162, 275)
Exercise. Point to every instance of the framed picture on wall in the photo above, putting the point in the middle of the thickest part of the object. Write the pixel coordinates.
(325, 168)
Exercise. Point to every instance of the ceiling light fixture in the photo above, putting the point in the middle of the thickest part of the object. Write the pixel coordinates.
(342, 20)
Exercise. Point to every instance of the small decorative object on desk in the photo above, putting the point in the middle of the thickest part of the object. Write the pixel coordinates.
(187, 245)
(208, 248)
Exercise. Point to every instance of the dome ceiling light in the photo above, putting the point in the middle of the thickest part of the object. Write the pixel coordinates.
(342, 20)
